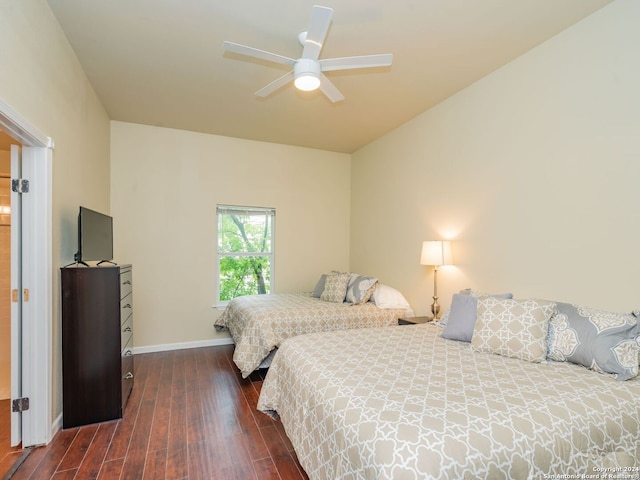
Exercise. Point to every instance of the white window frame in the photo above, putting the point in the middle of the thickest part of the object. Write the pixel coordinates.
(245, 210)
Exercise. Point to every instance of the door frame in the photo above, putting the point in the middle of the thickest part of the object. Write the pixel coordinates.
(37, 274)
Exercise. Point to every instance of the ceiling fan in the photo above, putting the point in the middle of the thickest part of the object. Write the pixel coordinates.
(307, 73)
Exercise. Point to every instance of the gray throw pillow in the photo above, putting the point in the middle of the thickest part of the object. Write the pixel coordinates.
(462, 318)
(317, 291)
(606, 342)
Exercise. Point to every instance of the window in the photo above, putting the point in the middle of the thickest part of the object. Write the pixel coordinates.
(245, 251)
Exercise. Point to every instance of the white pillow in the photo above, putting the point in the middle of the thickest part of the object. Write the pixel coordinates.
(385, 296)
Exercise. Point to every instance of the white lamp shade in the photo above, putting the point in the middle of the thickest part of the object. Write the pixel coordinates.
(436, 253)
(307, 74)
(307, 83)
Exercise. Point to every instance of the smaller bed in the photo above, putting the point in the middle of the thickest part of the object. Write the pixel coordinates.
(258, 324)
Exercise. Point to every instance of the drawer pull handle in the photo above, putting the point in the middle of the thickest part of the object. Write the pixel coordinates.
(126, 305)
(128, 376)
(128, 353)
(128, 329)
(127, 282)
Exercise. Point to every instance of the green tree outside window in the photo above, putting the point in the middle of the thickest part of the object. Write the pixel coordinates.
(245, 251)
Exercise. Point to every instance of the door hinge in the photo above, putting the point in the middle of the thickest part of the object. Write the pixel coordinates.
(20, 185)
(25, 295)
(20, 404)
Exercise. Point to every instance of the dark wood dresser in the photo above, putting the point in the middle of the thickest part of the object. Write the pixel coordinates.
(97, 343)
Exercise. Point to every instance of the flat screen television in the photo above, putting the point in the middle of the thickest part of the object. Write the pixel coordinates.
(95, 236)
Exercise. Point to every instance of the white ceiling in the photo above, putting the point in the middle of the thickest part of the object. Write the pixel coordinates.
(160, 62)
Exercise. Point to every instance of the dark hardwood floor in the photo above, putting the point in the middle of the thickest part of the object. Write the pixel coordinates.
(190, 416)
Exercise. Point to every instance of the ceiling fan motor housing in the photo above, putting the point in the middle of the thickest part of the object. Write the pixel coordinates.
(302, 37)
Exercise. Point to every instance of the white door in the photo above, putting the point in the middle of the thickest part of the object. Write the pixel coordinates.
(16, 298)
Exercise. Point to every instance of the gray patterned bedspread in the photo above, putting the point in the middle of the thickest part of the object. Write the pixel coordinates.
(403, 403)
(259, 323)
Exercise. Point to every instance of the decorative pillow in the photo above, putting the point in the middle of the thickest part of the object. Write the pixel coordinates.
(473, 293)
(462, 318)
(317, 291)
(444, 319)
(319, 288)
(385, 296)
(477, 294)
(603, 341)
(636, 313)
(513, 328)
(335, 287)
(360, 288)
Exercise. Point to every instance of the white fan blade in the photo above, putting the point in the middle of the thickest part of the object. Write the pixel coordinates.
(254, 52)
(330, 90)
(363, 61)
(318, 27)
(275, 85)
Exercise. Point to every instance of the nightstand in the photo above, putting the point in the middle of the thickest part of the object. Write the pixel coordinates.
(414, 320)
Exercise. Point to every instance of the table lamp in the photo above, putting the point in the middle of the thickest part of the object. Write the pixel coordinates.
(436, 253)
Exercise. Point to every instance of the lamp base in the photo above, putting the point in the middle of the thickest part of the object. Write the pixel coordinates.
(435, 308)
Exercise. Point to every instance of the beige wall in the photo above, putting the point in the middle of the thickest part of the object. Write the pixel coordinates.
(533, 171)
(42, 80)
(164, 190)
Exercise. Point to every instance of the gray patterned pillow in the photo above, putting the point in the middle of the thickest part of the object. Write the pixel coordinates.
(335, 287)
(603, 341)
(513, 328)
(636, 313)
(360, 288)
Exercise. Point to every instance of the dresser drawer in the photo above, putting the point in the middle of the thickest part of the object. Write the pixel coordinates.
(125, 282)
(127, 349)
(126, 333)
(126, 308)
(127, 371)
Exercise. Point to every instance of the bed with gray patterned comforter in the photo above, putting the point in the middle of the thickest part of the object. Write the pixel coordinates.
(403, 403)
(260, 323)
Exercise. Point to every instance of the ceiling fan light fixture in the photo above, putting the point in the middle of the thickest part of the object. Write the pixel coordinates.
(307, 83)
(307, 74)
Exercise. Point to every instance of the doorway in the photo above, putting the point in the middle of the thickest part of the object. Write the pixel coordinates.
(31, 377)
(8, 455)
(5, 270)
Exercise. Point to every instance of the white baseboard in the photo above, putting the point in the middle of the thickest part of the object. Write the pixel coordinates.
(57, 425)
(183, 345)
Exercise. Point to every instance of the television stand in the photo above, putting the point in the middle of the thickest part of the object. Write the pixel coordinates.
(105, 261)
(76, 263)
